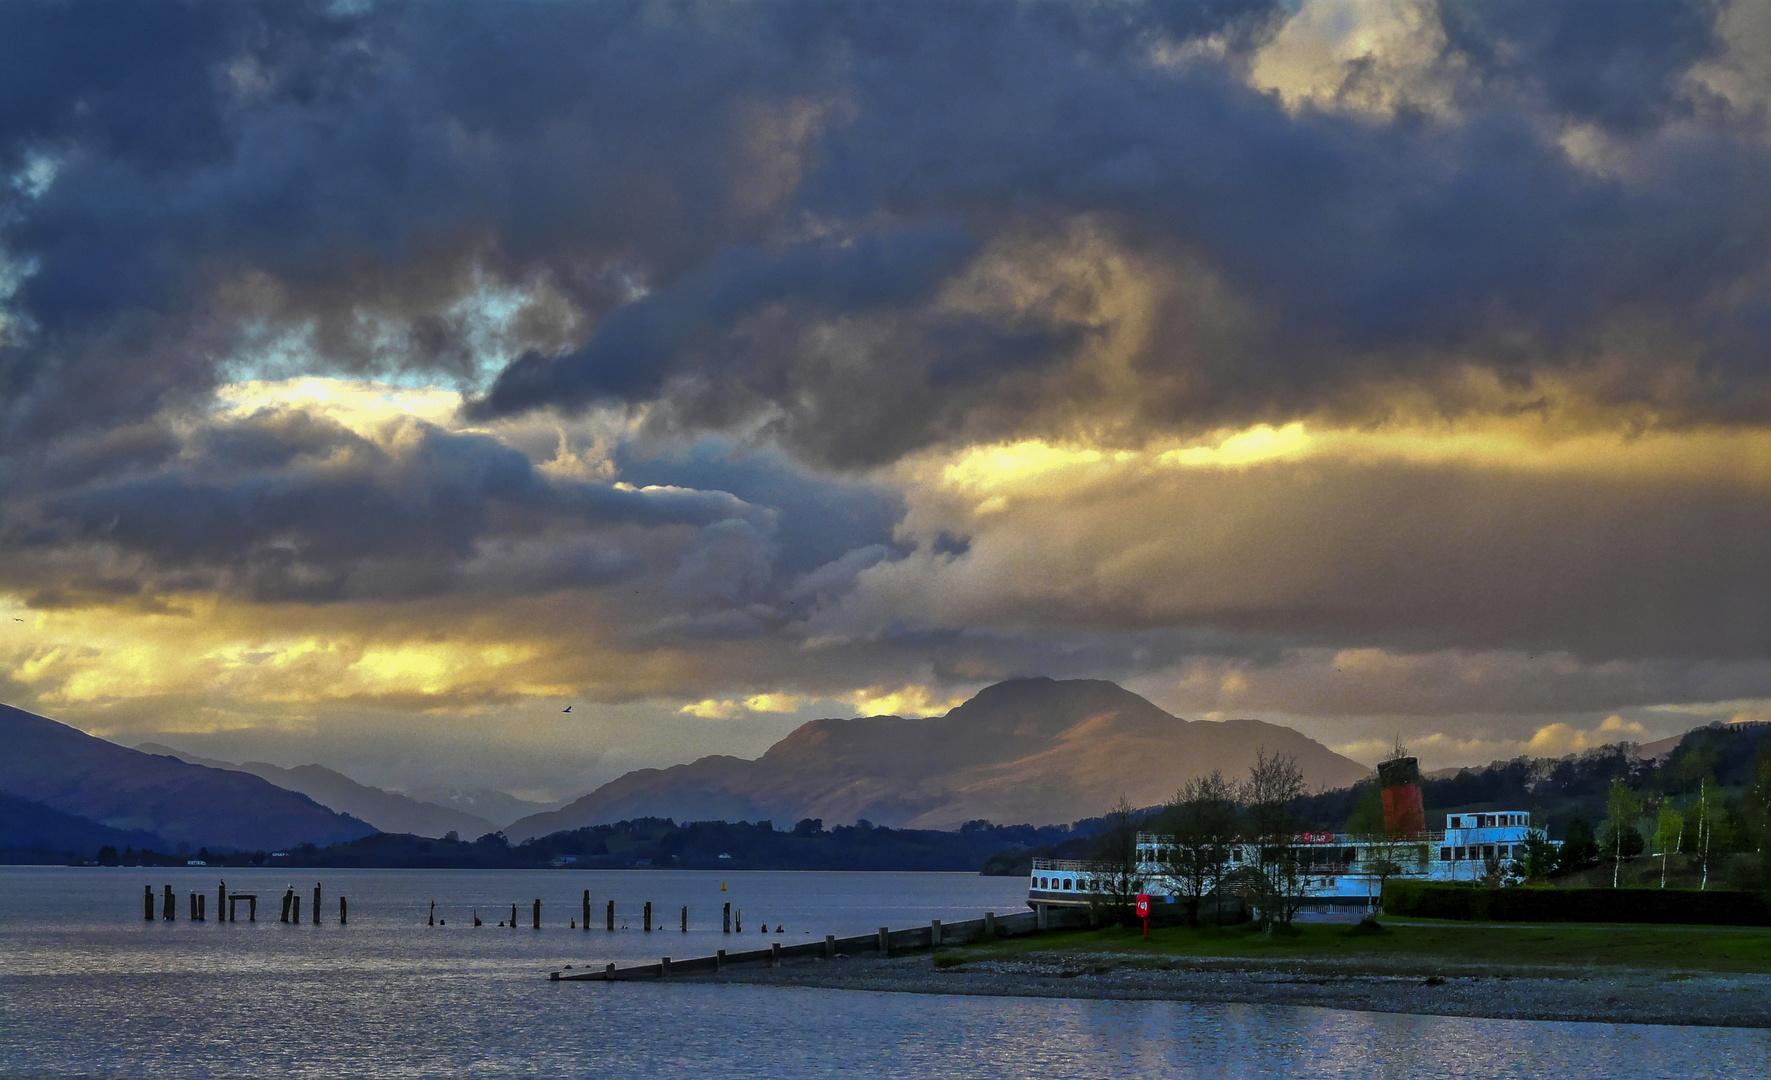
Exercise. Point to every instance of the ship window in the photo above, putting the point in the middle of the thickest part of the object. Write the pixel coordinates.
(1042, 883)
(1066, 883)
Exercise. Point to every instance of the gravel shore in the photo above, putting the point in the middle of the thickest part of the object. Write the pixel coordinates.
(1608, 995)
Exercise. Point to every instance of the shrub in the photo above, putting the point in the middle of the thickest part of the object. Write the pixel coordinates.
(1579, 849)
(1433, 900)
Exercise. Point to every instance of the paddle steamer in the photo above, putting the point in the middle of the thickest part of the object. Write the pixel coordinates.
(1336, 869)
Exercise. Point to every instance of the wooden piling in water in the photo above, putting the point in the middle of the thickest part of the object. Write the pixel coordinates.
(252, 907)
(295, 912)
(648, 916)
(289, 894)
(147, 903)
(587, 909)
(685, 918)
(719, 960)
(343, 912)
(725, 919)
(537, 913)
(221, 902)
(609, 916)
(316, 903)
(513, 916)
(433, 914)
(169, 906)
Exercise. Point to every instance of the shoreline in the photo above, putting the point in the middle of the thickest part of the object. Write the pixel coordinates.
(1513, 992)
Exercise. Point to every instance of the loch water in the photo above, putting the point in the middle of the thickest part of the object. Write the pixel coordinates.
(88, 987)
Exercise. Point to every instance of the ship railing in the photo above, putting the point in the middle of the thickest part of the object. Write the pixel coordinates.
(1432, 836)
(1073, 866)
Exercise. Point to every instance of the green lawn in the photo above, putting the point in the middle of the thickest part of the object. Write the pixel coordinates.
(1726, 949)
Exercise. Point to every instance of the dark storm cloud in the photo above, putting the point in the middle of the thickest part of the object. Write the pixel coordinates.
(298, 507)
(1620, 66)
(637, 348)
(819, 520)
(364, 163)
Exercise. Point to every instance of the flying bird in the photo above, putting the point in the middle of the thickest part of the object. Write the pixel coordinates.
(567, 709)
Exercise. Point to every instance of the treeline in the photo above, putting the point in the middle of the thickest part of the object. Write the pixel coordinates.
(108, 855)
(1705, 807)
(661, 843)
(1731, 759)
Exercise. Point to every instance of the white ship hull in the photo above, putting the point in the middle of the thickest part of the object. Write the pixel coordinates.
(1334, 874)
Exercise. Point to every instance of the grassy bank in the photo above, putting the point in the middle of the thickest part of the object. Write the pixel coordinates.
(1402, 942)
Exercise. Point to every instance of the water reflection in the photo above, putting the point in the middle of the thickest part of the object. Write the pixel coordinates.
(89, 988)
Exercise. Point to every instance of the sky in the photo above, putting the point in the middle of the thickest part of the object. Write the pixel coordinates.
(377, 380)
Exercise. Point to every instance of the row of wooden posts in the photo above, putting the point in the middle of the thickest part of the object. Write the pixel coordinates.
(728, 923)
(227, 906)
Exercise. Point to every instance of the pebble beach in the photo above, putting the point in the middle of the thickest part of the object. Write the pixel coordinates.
(1598, 994)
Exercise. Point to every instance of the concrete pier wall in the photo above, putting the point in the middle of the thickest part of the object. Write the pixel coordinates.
(898, 942)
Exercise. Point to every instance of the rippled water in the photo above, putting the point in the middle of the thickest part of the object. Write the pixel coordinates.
(87, 987)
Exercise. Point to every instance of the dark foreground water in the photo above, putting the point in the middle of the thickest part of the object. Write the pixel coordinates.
(88, 988)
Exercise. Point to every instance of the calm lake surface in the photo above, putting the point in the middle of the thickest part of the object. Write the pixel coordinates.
(89, 988)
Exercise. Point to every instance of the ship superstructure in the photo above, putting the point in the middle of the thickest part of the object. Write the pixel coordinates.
(1338, 869)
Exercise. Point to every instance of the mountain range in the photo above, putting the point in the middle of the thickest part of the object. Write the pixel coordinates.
(67, 770)
(1031, 750)
(33, 833)
(386, 810)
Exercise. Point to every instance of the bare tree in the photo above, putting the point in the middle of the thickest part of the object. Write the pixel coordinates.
(1703, 829)
(1274, 783)
(1669, 828)
(1621, 811)
(1114, 878)
(1201, 821)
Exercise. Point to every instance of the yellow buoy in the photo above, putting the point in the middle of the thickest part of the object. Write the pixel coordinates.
(722, 886)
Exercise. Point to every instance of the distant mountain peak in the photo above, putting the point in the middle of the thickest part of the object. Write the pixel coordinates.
(386, 810)
(70, 771)
(1027, 750)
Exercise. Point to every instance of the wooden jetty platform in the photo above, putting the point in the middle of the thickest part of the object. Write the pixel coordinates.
(883, 943)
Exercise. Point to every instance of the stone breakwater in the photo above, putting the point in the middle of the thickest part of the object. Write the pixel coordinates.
(881, 945)
(1602, 995)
